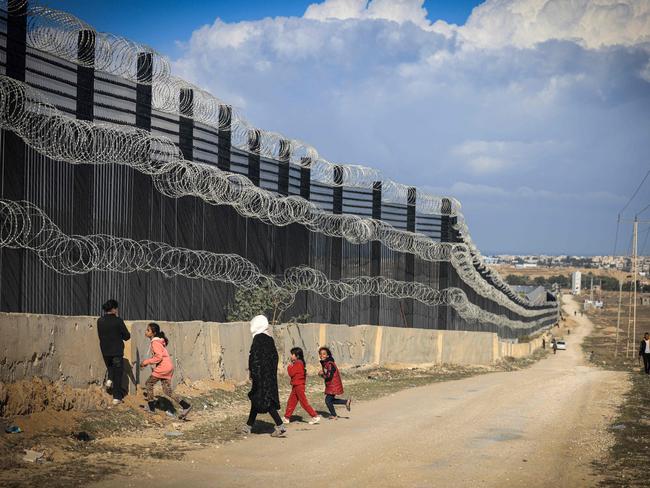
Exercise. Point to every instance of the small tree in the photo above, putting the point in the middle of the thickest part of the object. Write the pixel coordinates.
(266, 300)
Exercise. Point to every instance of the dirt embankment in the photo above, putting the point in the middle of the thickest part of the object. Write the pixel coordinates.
(37, 395)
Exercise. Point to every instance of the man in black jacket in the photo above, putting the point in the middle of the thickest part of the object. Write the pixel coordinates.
(112, 333)
(644, 352)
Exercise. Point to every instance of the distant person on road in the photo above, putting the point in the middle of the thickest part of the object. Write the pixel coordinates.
(112, 333)
(333, 383)
(298, 374)
(543, 343)
(575, 313)
(644, 352)
(263, 370)
(554, 345)
(163, 371)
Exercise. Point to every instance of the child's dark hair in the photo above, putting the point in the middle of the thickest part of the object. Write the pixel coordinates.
(109, 305)
(155, 328)
(296, 351)
(327, 350)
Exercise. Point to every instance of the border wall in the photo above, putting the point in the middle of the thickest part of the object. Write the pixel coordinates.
(66, 349)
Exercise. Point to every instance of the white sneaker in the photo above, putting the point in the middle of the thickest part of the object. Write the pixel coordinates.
(108, 383)
(285, 420)
(116, 401)
(314, 420)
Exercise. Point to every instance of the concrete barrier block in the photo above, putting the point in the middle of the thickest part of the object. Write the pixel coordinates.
(409, 346)
(235, 339)
(465, 347)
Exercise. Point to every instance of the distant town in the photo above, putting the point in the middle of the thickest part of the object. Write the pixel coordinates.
(621, 263)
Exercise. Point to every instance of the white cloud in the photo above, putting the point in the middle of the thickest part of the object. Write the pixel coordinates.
(592, 23)
(482, 157)
(395, 10)
(483, 192)
(498, 103)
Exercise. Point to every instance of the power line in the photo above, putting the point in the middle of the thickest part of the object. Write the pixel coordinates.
(618, 221)
(643, 210)
(645, 241)
(635, 192)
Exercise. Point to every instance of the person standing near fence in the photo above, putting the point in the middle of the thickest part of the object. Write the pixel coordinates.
(263, 370)
(112, 333)
(644, 352)
(163, 371)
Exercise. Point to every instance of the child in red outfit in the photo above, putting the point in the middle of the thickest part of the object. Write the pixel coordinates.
(163, 370)
(298, 374)
(333, 383)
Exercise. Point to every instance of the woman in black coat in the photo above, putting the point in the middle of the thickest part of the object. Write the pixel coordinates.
(263, 370)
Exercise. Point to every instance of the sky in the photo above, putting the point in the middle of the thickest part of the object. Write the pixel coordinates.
(535, 114)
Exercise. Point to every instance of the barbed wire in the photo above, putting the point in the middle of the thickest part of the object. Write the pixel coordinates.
(68, 37)
(24, 225)
(62, 138)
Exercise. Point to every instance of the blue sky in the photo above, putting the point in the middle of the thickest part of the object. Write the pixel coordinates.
(162, 23)
(535, 114)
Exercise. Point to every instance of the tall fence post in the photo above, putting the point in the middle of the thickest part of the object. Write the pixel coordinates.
(375, 253)
(142, 192)
(254, 156)
(447, 234)
(84, 174)
(12, 261)
(281, 252)
(337, 243)
(187, 293)
(224, 134)
(410, 257)
(260, 238)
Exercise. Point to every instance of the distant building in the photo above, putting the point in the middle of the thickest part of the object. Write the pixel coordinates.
(576, 278)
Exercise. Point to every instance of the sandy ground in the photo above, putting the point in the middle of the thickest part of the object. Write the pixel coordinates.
(541, 426)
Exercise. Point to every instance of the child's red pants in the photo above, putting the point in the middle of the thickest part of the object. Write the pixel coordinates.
(298, 395)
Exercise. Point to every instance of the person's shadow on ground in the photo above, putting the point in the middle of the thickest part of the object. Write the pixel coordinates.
(262, 427)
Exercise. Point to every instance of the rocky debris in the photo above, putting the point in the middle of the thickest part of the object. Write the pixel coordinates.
(33, 456)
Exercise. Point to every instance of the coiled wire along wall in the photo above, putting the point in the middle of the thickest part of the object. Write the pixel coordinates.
(116, 200)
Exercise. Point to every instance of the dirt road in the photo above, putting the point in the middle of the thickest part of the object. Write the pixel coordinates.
(541, 426)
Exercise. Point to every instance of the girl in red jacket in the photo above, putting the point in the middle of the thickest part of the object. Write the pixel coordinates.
(333, 383)
(298, 374)
(163, 371)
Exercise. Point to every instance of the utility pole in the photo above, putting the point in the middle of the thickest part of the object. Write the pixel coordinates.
(631, 312)
(634, 264)
(618, 321)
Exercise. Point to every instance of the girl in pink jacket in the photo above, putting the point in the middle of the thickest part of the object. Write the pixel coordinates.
(163, 371)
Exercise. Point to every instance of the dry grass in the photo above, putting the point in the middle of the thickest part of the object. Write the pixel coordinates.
(505, 270)
(627, 462)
